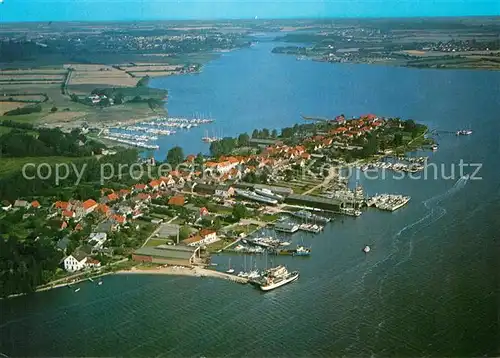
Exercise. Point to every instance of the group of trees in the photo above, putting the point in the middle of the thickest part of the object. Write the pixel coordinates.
(240, 211)
(49, 142)
(16, 185)
(24, 110)
(26, 264)
(264, 134)
(175, 156)
(225, 146)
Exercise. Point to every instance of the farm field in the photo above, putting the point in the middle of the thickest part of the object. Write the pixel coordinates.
(8, 106)
(99, 75)
(153, 73)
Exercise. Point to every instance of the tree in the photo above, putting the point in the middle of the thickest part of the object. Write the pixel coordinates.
(74, 97)
(243, 139)
(175, 156)
(199, 159)
(184, 232)
(118, 99)
(53, 109)
(264, 133)
(217, 223)
(398, 139)
(287, 132)
(240, 211)
(274, 134)
(255, 134)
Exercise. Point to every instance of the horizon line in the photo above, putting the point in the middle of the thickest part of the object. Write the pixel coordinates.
(222, 19)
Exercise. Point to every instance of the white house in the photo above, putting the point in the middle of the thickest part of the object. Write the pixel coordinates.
(6, 205)
(79, 261)
(204, 237)
(97, 240)
(76, 262)
(224, 191)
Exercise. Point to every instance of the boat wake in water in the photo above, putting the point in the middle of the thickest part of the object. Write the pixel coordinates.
(435, 213)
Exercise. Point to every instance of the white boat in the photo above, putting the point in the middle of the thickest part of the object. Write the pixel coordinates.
(278, 277)
(78, 289)
(366, 249)
(230, 270)
(253, 274)
(99, 283)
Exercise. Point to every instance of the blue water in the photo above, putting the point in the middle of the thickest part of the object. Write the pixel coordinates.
(253, 88)
(429, 287)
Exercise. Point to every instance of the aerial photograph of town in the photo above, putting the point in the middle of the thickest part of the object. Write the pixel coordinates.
(199, 178)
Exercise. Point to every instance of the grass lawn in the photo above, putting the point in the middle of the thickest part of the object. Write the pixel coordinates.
(218, 245)
(156, 242)
(269, 217)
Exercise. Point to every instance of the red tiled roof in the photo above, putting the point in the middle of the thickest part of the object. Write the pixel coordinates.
(143, 196)
(119, 219)
(103, 208)
(87, 204)
(68, 213)
(35, 204)
(62, 205)
(206, 232)
(176, 200)
(192, 239)
(113, 197)
(124, 192)
(140, 186)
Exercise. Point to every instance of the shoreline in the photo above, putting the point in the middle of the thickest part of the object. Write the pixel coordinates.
(55, 286)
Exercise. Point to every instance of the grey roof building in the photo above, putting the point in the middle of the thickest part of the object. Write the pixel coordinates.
(167, 254)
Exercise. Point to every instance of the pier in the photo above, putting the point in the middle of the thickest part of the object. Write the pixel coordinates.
(192, 271)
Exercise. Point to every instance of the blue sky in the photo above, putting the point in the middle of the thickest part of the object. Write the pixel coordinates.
(99, 10)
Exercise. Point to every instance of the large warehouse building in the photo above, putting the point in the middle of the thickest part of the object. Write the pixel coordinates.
(168, 255)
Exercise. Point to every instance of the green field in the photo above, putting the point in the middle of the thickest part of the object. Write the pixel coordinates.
(156, 242)
(12, 165)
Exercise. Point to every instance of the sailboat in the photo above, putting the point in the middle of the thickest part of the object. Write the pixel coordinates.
(231, 270)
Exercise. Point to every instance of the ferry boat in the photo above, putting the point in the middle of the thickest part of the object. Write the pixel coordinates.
(268, 193)
(286, 227)
(464, 132)
(277, 277)
(366, 249)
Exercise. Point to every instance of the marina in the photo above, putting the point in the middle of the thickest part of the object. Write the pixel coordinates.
(142, 133)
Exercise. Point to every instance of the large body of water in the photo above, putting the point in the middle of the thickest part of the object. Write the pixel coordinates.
(430, 286)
